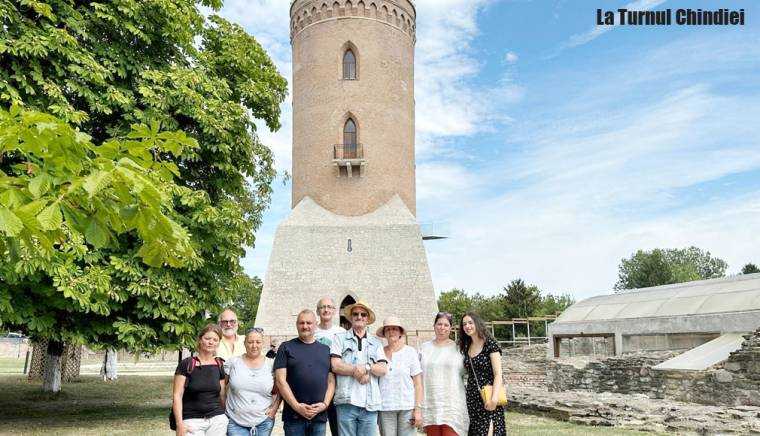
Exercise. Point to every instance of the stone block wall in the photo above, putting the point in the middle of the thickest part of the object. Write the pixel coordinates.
(587, 346)
(734, 383)
(629, 373)
(525, 366)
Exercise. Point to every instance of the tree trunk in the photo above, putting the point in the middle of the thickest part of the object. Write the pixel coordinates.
(51, 376)
(108, 370)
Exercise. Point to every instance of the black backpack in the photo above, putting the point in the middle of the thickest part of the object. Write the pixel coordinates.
(194, 361)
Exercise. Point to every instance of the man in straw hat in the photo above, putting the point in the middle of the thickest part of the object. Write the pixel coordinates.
(358, 361)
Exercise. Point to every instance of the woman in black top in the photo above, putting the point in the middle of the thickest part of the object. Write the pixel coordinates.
(198, 393)
(482, 361)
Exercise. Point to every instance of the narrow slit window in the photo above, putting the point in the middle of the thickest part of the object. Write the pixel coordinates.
(349, 65)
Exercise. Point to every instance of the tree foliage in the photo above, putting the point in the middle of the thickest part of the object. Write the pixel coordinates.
(103, 67)
(666, 266)
(750, 268)
(520, 300)
(246, 300)
(66, 206)
(510, 304)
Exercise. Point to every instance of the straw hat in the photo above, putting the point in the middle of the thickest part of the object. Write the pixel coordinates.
(363, 305)
(391, 321)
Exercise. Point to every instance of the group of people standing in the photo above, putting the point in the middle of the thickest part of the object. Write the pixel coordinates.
(345, 378)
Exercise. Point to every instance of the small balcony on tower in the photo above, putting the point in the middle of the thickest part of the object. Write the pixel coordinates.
(349, 159)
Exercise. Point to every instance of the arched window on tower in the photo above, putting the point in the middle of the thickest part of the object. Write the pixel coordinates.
(349, 65)
(349, 139)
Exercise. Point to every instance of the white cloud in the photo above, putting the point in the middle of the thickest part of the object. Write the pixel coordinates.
(447, 103)
(598, 30)
(511, 57)
(597, 181)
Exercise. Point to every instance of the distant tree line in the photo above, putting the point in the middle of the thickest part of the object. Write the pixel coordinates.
(671, 265)
(516, 300)
(642, 269)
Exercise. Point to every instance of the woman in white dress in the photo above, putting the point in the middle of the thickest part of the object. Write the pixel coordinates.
(444, 410)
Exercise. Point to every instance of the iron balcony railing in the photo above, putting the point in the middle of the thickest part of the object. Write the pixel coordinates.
(348, 151)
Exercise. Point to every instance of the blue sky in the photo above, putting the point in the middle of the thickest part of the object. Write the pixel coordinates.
(554, 148)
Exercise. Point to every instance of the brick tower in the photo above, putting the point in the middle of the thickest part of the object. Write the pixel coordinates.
(352, 233)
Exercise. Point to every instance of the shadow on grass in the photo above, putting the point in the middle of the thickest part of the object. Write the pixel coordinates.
(89, 402)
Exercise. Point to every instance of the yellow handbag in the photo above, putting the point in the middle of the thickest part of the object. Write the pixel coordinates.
(485, 394)
(485, 391)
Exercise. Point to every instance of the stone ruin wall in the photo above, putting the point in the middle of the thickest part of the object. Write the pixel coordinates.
(525, 366)
(629, 373)
(734, 383)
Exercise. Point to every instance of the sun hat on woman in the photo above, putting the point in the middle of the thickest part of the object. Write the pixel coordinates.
(391, 321)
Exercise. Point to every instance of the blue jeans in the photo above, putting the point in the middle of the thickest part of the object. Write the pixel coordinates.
(263, 429)
(356, 421)
(302, 427)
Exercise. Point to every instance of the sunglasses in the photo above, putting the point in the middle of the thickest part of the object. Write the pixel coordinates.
(360, 314)
(228, 321)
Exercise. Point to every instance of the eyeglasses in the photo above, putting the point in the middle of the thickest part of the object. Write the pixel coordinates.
(228, 321)
(255, 329)
(360, 314)
(325, 307)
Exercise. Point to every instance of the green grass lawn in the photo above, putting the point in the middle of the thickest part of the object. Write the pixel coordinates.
(140, 405)
(131, 405)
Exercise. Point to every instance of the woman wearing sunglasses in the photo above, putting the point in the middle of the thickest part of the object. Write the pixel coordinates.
(251, 405)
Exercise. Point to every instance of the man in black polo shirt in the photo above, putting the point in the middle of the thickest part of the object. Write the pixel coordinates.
(302, 372)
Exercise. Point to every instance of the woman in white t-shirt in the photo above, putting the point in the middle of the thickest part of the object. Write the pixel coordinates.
(401, 387)
(250, 380)
(444, 411)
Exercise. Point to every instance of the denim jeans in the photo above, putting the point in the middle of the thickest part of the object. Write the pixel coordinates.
(263, 429)
(356, 421)
(302, 427)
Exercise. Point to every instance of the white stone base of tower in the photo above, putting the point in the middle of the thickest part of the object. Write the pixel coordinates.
(378, 258)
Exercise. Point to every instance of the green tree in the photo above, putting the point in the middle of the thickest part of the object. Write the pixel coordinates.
(750, 268)
(246, 300)
(490, 308)
(666, 266)
(103, 66)
(456, 302)
(521, 300)
(554, 304)
(64, 207)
